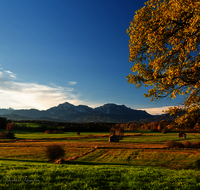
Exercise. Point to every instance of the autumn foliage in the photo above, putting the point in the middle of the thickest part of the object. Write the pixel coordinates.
(10, 127)
(164, 47)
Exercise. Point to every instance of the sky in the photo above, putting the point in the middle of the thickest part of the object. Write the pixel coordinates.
(56, 51)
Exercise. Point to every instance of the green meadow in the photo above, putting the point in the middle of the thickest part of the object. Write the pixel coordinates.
(139, 161)
(40, 175)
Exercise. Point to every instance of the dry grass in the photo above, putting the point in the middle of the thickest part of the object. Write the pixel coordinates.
(196, 144)
(170, 144)
(187, 144)
(35, 153)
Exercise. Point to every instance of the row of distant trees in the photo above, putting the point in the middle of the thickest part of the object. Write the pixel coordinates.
(157, 126)
(6, 124)
(64, 126)
(3, 122)
(144, 126)
(90, 127)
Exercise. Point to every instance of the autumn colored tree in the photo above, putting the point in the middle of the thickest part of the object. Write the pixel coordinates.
(10, 127)
(118, 131)
(164, 47)
(134, 126)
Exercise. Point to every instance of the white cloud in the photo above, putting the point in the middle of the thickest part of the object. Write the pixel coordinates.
(11, 74)
(72, 83)
(32, 95)
(156, 111)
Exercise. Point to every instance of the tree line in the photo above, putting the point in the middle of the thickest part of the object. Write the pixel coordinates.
(92, 127)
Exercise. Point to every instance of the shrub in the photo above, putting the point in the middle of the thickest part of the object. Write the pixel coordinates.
(187, 144)
(47, 132)
(78, 133)
(3, 135)
(170, 144)
(10, 135)
(54, 151)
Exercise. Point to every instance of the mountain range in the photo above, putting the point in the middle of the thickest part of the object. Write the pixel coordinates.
(67, 112)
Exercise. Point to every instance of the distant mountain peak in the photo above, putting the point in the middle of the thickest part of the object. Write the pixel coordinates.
(112, 108)
(109, 112)
(65, 105)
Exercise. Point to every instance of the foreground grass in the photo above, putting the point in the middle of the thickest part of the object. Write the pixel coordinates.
(17, 175)
(122, 165)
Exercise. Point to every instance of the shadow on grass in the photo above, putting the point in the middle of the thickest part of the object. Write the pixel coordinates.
(99, 164)
(73, 163)
(16, 160)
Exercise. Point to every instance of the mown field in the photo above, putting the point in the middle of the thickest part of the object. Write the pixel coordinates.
(138, 161)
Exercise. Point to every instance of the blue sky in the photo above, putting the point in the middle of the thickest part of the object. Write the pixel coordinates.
(56, 51)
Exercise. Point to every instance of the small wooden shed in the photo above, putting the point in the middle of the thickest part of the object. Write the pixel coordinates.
(182, 135)
(113, 138)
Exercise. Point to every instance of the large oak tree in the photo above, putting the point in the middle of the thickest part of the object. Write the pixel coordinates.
(164, 47)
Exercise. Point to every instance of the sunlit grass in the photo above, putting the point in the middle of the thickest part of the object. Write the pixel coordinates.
(39, 175)
(121, 165)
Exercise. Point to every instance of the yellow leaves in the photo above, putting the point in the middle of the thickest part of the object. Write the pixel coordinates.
(173, 95)
(164, 34)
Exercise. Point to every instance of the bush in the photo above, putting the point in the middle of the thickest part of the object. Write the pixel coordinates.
(172, 144)
(3, 135)
(54, 151)
(187, 144)
(47, 132)
(78, 133)
(10, 135)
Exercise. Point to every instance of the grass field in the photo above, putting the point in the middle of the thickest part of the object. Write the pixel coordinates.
(26, 175)
(136, 162)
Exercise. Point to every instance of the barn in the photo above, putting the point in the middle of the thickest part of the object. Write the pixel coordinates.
(113, 138)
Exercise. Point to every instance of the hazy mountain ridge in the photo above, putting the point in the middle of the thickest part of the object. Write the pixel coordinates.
(82, 113)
